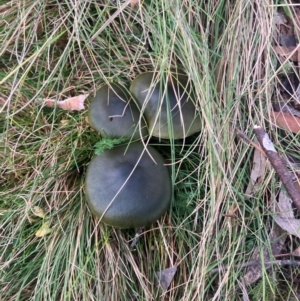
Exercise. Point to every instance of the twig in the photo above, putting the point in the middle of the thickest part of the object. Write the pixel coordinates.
(277, 163)
(248, 140)
(256, 263)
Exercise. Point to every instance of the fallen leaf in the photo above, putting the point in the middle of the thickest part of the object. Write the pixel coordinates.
(165, 276)
(277, 238)
(38, 211)
(296, 19)
(290, 52)
(257, 173)
(71, 104)
(279, 18)
(296, 252)
(286, 121)
(44, 230)
(298, 93)
(133, 3)
(288, 40)
(286, 108)
(284, 215)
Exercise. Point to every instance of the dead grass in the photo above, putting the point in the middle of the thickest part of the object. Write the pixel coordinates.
(51, 49)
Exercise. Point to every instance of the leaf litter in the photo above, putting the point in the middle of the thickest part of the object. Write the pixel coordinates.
(284, 215)
(276, 234)
(284, 114)
(282, 211)
(70, 104)
(166, 276)
(258, 173)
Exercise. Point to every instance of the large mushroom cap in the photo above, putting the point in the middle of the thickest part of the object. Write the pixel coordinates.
(113, 115)
(128, 188)
(168, 106)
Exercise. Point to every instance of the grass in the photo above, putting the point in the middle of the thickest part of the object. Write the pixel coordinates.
(52, 49)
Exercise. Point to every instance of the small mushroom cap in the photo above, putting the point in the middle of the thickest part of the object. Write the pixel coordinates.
(128, 191)
(168, 106)
(114, 115)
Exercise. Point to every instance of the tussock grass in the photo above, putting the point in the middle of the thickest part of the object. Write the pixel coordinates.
(52, 49)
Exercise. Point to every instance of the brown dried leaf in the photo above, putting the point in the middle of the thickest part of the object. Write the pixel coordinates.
(286, 108)
(165, 276)
(277, 238)
(296, 19)
(279, 18)
(284, 215)
(133, 3)
(286, 121)
(296, 252)
(290, 52)
(70, 104)
(257, 173)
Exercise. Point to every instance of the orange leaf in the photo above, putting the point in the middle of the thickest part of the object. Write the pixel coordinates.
(286, 121)
(71, 104)
(287, 51)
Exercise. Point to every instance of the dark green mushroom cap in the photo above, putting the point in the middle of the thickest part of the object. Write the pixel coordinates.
(127, 191)
(113, 115)
(170, 115)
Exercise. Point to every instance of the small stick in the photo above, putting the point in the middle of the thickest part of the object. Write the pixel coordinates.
(256, 263)
(247, 139)
(277, 163)
(136, 237)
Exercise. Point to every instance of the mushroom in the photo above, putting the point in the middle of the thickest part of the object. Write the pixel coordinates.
(168, 106)
(112, 115)
(128, 186)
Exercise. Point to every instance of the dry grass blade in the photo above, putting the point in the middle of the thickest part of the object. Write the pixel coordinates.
(225, 48)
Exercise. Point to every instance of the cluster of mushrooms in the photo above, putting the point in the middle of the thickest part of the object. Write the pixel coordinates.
(130, 186)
